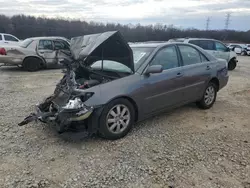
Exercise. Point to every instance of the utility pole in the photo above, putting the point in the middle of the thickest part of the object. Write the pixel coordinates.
(208, 23)
(227, 21)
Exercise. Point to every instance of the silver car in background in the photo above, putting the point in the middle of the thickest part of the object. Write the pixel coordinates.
(214, 47)
(34, 53)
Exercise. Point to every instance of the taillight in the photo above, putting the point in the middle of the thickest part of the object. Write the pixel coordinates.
(3, 51)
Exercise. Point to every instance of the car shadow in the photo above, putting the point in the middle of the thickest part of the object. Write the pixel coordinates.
(20, 69)
(81, 136)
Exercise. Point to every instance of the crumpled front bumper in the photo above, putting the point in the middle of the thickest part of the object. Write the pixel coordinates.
(62, 120)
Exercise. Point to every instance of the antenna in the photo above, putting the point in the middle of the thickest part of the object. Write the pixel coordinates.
(227, 21)
(208, 23)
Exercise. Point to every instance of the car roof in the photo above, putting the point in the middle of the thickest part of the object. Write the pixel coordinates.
(50, 37)
(155, 44)
(150, 44)
(187, 38)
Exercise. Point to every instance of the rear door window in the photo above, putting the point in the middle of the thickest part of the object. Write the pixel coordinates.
(10, 38)
(1, 38)
(189, 55)
(45, 45)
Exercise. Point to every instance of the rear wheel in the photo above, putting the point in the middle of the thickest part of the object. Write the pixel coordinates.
(243, 53)
(32, 64)
(209, 96)
(116, 119)
(232, 64)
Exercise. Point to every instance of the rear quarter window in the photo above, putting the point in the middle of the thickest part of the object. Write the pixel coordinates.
(1, 38)
(205, 44)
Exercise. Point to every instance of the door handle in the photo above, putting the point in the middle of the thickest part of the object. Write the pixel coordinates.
(208, 67)
(179, 74)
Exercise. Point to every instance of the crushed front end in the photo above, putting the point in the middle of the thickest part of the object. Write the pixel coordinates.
(65, 106)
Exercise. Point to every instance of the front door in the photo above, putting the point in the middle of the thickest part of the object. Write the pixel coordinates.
(197, 70)
(163, 90)
(9, 39)
(222, 51)
(46, 50)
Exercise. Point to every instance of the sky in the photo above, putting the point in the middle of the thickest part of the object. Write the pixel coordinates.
(180, 13)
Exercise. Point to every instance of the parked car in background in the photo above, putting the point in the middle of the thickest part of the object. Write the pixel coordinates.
(248, 49)
(109, 85)
(215, 47)
(8, 39)
(34, 53)
(240, 49)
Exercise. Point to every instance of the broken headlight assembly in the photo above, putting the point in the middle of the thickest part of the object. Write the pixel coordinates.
(78, 101)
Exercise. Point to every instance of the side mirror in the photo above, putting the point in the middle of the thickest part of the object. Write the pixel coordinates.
(154, 69)
(228, 49)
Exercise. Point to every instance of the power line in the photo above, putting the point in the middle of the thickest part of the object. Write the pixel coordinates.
(208, 23)
(227, 21)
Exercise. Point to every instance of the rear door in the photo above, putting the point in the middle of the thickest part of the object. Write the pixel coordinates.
(46, 50)
(163, 90)
(197, 70)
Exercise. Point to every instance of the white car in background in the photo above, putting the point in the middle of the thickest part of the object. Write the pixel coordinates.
(215, 47)
(241, 49)
(8, 39)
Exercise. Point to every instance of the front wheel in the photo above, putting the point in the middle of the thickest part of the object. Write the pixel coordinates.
(32, 64)
(209, 96)
(116, 119)
(232, 64)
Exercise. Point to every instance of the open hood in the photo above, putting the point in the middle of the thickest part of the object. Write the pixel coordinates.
(102, 46)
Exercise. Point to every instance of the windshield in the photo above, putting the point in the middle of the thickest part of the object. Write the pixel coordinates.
(109, 65)
(140, 55)
(25, 43)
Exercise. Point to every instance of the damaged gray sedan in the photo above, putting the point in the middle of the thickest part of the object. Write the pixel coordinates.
(109, 85)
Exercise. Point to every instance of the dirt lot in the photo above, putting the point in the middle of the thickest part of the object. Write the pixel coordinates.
(185, 148)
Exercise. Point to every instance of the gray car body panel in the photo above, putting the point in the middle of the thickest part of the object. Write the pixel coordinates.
(161, 91)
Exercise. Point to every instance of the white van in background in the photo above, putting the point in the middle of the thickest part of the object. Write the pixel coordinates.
(8, 39)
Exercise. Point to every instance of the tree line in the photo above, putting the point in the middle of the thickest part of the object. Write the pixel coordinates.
(24, 26)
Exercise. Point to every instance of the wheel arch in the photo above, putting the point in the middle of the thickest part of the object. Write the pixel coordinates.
(132, 101)
(37, 57)
(216, 82)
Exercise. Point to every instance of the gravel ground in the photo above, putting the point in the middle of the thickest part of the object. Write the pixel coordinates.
(185, 148)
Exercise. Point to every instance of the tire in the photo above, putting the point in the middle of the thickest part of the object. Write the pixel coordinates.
(110, 130)
(32, 64)
(204, 103)
(232, 65)
(243, 53)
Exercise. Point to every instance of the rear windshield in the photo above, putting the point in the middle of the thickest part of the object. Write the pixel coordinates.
(176, 40)
(26, 43)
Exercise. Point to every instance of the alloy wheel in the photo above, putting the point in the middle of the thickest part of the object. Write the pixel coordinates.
(118, 119)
